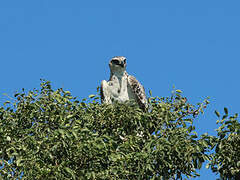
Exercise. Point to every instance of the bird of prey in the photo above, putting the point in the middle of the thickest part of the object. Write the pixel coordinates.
(121, 86)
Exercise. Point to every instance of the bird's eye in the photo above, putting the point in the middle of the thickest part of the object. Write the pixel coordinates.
(124, 61)
(115, 62)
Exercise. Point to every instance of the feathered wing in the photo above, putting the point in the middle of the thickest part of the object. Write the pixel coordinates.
(138, 91)
(104, 92)
(101, 93)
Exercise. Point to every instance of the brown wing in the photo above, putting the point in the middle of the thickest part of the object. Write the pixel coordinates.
(103, 91)
(138, 91)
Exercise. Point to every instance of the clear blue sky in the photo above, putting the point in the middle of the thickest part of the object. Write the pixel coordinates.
(194, 45)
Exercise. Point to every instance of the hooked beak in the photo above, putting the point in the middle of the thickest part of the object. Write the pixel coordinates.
(122, 64)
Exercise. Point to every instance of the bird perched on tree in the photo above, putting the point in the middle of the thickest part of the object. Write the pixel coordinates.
(121, 86)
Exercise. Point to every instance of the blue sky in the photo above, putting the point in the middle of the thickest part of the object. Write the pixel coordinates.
(193, 45)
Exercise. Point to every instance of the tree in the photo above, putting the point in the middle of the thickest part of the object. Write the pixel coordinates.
(226, 158)
(49, 134)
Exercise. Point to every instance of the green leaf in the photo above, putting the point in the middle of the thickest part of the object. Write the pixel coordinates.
(150, 93)
(238, 164)
(193, 136)
(8, 138)
(205, 143)
(70, 116)
(226, 110)
(70, 171)
(67, 92)
(217, 113)
(188, 120)
(92, 96)
(18, 162)
(6, 102)
(178, 91)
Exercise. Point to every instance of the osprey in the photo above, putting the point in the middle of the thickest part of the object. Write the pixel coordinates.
(121, 86)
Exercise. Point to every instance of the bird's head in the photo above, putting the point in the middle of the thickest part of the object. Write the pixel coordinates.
(118, 64)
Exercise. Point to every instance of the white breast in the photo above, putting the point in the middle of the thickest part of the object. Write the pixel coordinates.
(118, 88)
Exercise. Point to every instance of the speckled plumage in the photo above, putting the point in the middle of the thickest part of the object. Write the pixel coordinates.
(122, 87)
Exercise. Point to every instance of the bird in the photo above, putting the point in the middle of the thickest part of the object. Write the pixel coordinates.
(121, 86)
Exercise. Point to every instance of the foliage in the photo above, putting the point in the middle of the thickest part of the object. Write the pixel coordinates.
(226, 159)
(47, 134)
